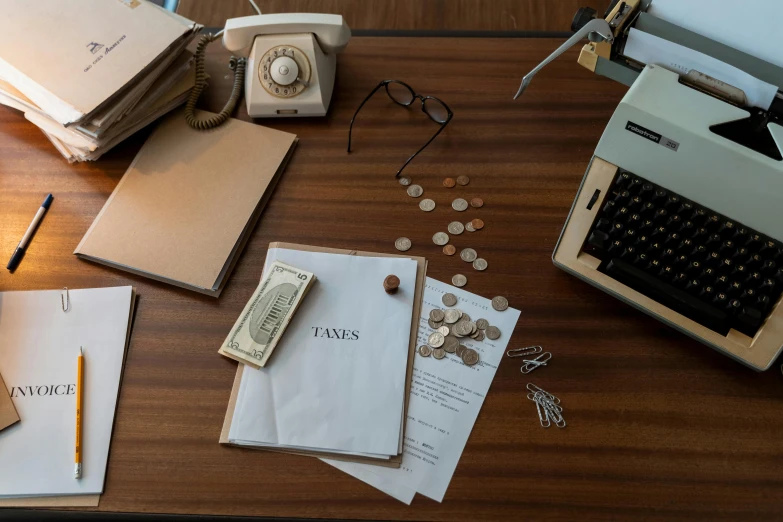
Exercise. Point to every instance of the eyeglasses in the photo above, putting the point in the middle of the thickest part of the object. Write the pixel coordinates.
(402, 94)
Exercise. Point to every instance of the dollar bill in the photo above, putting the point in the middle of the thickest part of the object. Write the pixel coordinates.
(262, 323)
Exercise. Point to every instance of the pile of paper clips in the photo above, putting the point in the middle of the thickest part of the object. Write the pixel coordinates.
(548, 406)
(530, 364)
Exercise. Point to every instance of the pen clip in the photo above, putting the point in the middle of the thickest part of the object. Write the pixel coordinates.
(65, 299)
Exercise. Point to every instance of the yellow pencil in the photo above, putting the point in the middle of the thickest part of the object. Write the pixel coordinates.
(77, 470)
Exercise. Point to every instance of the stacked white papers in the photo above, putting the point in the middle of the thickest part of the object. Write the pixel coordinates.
(90, 73)
(336, 382)
(446, 397)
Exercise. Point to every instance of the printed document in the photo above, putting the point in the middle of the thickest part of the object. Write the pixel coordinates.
(446, 396)
(336, 381)
(39, 344)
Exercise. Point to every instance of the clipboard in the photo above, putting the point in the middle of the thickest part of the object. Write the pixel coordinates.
(395, 461)
(8, 415)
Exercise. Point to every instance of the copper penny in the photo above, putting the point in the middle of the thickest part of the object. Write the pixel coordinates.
(449, 250)
(449, 182)
(391, 284)
(476, 202)
(477, 224)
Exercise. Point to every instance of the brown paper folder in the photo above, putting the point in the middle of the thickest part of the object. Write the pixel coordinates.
(395, 461)
(8, 413)
(187, 204)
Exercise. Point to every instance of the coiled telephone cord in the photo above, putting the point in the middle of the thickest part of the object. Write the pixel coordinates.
(235, 64)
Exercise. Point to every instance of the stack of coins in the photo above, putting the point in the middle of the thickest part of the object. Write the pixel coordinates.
(451, 325)
(391, 284)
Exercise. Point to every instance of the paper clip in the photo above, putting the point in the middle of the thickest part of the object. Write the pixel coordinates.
(543, 419)
(532, 364)
(533, 388)
(65, 299)
(523, 352)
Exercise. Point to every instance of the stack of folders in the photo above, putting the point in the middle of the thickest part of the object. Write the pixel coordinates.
(91, 73)
(339, 380)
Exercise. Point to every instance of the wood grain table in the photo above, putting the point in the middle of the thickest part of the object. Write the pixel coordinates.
(659, 426)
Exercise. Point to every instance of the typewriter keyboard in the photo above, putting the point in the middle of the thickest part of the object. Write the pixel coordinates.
(697, 262)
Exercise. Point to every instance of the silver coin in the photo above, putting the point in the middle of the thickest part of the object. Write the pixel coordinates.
(402, 244)
(451, 316)
(475, 334)
(425, 351)
(499, 303)
(459, 205)
(405, 181)
(482, 324)
(415, 191)
(437, 315)
(456, 228)
(459, 280)
(468, 255)
(493, 332)
(434, 324)
(461, 313)
(440, 238)
(460, 350)
(444, 330)
(469, 227)
(470, 357)
(435, 339)
(480, 335)
(451, 344)
(439, 353)
(427, 205)
(464, 317)
(462, 328)
(480, 264)
(449, 299)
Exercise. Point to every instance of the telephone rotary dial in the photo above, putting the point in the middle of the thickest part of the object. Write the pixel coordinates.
(284, 71)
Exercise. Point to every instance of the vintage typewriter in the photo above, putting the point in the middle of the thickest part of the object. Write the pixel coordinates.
(680, 212)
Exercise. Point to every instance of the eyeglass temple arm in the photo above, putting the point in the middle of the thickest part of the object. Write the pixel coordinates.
(443, 126)
(350, 127)
(596, 30)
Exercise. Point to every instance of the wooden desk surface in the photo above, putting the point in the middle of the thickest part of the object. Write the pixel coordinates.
(659, 427)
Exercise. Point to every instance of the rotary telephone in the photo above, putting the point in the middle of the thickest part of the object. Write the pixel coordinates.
(290, 65)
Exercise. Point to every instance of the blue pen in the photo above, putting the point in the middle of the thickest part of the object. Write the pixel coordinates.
(20, 250)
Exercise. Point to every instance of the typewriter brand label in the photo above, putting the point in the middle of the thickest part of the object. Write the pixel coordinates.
(652, 136)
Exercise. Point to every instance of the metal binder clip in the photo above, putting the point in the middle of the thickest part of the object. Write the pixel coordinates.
(522, 352)
(65, 299)
(532, 364)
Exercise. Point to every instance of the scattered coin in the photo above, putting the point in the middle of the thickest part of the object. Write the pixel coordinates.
(462, 328)
(456, 228)
(499, 303)
(476, 202)
(460, 350)
(482, 324)
(449, 182)
(477, 223)
(437, 315)
(475, 334)
(440, 238)
(461, 313)
(463, 180)
(459, 280)
(427, 205)
(464, 317)
(470, 356)
(493, 332)
(449, 250)
(391, 284)
(451, 344)
(480, 336)
(444, 330)
(436, 339)
(469, 255)
(434, 324)
(425, 351)
(449, 299)
(439, 353)
(451, 316)
(415, 191)
(405, 181)
(480, 264)
(402, 244)
(458, 204)
(469, 227)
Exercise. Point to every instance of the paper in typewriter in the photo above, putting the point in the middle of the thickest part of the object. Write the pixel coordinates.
(446, 397)
(336, 382)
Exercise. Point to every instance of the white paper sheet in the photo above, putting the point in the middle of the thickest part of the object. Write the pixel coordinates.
(343, 392)
(649, 49)
(446, 397)
(39, 344)
(750, 26)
